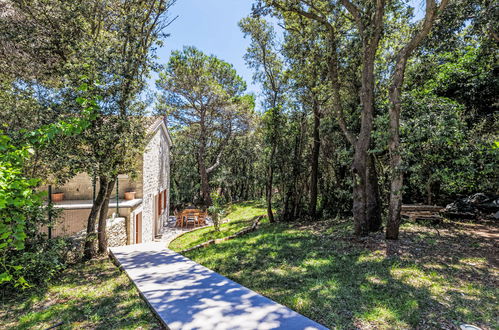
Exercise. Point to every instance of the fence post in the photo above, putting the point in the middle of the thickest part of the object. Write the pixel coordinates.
(117, 200)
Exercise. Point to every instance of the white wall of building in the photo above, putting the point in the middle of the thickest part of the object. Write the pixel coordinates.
(156, 178)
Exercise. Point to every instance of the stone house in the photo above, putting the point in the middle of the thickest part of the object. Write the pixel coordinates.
(134, 220)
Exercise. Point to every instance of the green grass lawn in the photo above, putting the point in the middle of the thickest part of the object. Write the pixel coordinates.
(94, 295)
(240, 216)
(428, 279)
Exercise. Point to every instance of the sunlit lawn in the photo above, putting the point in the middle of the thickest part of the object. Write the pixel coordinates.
(239, 216)
(95, 295)
(429, 279)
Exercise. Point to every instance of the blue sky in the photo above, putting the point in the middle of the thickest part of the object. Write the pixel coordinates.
(211, 26)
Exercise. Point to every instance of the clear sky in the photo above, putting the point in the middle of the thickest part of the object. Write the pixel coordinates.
(211, 26)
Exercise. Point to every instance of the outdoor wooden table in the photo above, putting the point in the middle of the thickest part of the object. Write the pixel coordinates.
(196, 214)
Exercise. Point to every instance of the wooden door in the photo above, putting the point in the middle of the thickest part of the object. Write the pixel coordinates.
(138, 228)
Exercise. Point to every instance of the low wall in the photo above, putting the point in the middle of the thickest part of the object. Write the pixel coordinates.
(116, 232)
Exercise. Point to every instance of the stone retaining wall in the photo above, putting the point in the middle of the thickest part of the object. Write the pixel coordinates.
(116, 232)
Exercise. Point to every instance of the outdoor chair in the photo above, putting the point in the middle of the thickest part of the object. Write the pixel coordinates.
(202, 218)
(191, 218)
(179, 217)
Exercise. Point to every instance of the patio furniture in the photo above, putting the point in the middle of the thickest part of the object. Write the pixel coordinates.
(202, 218)
(179, 218)
(194, 217)
(191, 218)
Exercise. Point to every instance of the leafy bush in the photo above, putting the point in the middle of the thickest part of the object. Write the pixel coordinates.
(27, 257)
(39, 261)
(217, 211)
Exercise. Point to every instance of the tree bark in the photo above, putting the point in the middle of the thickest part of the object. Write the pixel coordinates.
(359, 207)
(395, 92)
(203, 172)
(362, 189)
(205, 184)
(373, 210)
(102, 233)
(89, 249)
(270, 183)
(312, 211)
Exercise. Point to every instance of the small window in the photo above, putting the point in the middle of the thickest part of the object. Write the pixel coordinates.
(164, 199)
(160, 207)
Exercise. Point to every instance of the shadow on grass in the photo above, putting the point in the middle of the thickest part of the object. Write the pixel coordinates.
(240, 215)
(93, 295)
(341, 282)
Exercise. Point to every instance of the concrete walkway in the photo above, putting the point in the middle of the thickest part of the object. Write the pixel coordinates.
(186, 295)
(170, 231)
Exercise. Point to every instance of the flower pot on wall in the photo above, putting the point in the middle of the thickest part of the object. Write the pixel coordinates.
(129, 195)
(57, 197)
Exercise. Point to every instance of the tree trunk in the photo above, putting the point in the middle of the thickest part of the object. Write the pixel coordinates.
(397, 175)
(429, 199)
(89, 249)
(363, 188)
(269, 186)
(395, 206)
(203, 173)
(359, 209)
(102, 234)
(397, 178)
(205, 184)
(373, 208)
(315, 164)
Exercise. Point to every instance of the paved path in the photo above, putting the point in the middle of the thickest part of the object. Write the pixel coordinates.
(186, 295)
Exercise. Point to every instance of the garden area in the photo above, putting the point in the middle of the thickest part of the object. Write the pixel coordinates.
(95, 295)
(433, 277)
(337, 157)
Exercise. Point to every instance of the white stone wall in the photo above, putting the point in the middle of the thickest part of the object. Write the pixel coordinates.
(156, 178)
(116, 232)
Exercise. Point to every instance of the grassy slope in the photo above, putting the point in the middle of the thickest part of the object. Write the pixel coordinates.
(95, 295)
(240, 215)
(426, 280)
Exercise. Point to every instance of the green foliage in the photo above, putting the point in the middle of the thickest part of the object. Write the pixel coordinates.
(26, 256)
(22, 212)
(216, 210)
(238, 216)
(17, 202)
(449, 124)
(208, 110)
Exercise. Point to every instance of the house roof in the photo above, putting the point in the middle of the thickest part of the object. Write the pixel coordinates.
(153, 123)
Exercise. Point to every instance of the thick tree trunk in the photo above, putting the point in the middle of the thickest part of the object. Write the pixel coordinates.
(359, 209)
(315, 165)
(395, 206)
(102, 234)
(89, 249)
(365, 206)
(397, 175)
(364, 198)
(397, 178)
(373, 208)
